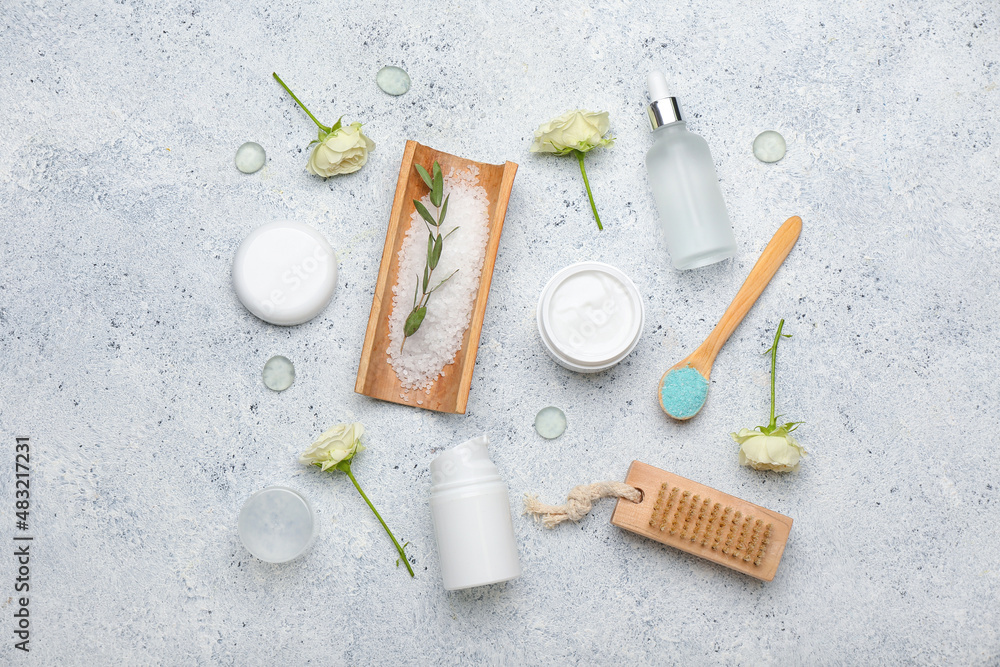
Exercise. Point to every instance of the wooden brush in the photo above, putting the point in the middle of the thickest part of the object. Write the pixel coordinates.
(704, 522)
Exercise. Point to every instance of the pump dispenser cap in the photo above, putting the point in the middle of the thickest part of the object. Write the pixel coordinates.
(663, 109)
(468, 463)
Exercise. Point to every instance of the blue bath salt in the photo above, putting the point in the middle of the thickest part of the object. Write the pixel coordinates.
(684, 391)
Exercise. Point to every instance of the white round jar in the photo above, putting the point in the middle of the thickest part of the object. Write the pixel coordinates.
(285, 273)
(590, 317)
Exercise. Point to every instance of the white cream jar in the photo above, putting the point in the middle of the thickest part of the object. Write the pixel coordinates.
(590, 317)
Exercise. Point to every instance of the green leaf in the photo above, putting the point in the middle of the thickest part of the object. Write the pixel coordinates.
(455, 229)
(414, 321)
(437, 188)
(434, 255)
(444, 211)
(336, 126)
(416, 291)
(424, 213)
(430, 247)
(427, 277)
(425, 177)
(405, 544)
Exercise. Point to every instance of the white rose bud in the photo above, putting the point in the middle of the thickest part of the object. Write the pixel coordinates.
(575, 133)
(342, 151)
(339, 443)
(777, 451)
(574, 130)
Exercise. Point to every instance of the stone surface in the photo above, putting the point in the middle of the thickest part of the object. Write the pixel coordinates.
(135, 370)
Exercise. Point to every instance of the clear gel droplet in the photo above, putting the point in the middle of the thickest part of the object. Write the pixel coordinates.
(393, 80)
(550, 422)
(279, 373)
(769, 146)
(250, 157)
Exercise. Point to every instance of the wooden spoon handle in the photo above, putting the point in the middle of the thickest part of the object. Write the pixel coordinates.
(765, 268)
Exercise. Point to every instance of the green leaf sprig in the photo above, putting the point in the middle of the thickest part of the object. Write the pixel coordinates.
(435, 245)
(773, 428)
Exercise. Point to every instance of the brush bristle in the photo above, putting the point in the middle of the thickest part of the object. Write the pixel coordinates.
(690, 517)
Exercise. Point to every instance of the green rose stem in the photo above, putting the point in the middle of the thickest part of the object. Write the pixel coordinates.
(774, 364)
(579, 158)
(299, 102)
(773, 425)
(345, 466)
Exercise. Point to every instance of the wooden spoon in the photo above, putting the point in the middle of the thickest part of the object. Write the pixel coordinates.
(686, 392)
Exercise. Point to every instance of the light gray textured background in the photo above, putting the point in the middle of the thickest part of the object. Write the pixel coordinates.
(128, 360)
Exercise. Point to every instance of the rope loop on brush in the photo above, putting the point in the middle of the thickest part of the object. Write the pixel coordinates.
(579, 502)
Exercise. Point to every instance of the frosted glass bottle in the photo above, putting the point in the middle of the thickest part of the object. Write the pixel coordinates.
(685, 186)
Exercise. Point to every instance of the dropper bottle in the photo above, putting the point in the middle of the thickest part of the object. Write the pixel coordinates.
(685, 186)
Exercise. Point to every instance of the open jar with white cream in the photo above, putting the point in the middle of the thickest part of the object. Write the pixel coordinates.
(590, 317)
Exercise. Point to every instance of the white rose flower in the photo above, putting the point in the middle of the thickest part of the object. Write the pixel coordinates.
(343, 150)
(771, 447)
(574, 130)
(338, 446)
(339, 149)
(776, 451)
(575, 133)
(339, 443)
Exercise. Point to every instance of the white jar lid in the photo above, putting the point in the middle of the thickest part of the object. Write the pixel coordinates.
(590, 316)
(285, 273)
(276, 524)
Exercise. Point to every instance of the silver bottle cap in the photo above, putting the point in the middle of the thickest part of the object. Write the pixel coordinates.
(663, 109)
(663, 112)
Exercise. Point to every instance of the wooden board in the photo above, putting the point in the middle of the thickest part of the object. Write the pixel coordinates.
(707, 523)
(376, 378)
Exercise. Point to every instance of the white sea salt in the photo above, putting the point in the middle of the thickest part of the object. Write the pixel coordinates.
(439, 338)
